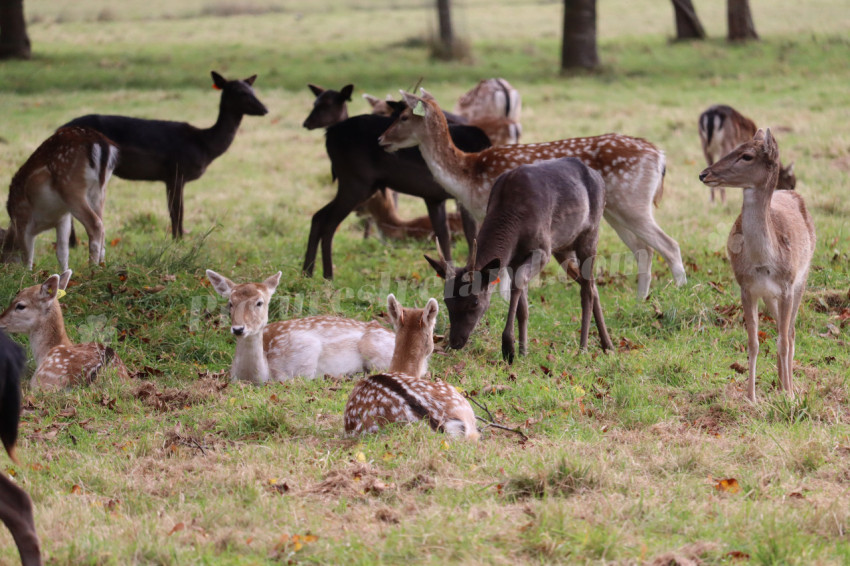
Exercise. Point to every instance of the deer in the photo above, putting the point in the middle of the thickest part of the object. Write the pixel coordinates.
(770, 247)
(402, 395)
(177, 152)
(15, 504)
(65, 176)
(722, 129)
(362, 168)
(490, 98)
(632, 168)
(536, 211)
(59, 362)
(303, 347)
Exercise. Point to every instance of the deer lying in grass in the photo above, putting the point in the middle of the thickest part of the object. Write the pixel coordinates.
(66, 176)
(15, 504)
(632, 169)
(176, 152)
(536, 211)
(303, 347)
(722, 129)
(59, 363)
(402, 395)
(770, 247)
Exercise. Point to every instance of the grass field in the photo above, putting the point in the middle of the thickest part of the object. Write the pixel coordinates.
(626, 452)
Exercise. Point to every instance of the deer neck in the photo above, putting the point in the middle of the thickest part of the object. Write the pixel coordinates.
(49, 334)
(449, 165)
(221, 135)
(403, 362)
(249, 361)
(756, 225)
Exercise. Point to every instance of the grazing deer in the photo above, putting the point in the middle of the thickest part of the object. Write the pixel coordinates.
(770, 247)
(401, 395)
(722, 129)
(536, 211)
(632, 169)
(176, 152)
(15, 504)
(303, 347)
(59, 362)
(66, 176)
(490, 98)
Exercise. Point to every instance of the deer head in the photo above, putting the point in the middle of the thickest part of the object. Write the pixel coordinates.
(409, 128)
(414, 340)
(238, 96)
(329, 108)
(247, 303)
(33, 305)
(752, 164)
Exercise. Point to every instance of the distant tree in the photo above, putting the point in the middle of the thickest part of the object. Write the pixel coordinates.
(578, 46)
(740, 20)
(688, 25)
(14, 42)
(447, 46)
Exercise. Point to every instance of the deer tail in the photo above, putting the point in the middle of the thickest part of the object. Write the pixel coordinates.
(656, 199)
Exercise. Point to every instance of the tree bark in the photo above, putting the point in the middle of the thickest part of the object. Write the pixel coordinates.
(578, 47)
(740, 20)
(444, 12)
(688, 25)
(14, 42)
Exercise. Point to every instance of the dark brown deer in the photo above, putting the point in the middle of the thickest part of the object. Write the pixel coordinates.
(176, 152)
(536, 211)
(722, 129)
(15, 504)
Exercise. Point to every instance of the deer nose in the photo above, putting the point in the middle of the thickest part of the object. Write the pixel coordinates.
(703, 175)
(237, 330)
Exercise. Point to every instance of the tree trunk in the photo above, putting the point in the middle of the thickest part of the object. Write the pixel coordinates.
(740, 19)
(688, 25)
(578, 47)
(14, 42)
(447, 47)
(444, 12)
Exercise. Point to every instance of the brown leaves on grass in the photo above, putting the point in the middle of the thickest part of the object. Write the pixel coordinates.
(170, 399)
(738, 367)
(354, 481)
(728, 485)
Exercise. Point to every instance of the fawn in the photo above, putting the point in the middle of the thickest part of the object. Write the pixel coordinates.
(401, 395)
(302, 347)
(770, 247)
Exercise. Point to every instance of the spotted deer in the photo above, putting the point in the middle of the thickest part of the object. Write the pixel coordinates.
(15, 505)
(722, 129)
(59, 362)
(770, 247)
(66, 176)
(303, 347)
(490, 98)
(632, 169)
(402, 395)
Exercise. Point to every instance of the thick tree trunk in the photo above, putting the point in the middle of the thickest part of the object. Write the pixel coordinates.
(740, 19)
(14, 42)
(444, 12)
(578, 48)
(688, 25)
(447, 47)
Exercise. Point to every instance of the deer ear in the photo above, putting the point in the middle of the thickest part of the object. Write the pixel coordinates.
(789, 170)
(346, 92)
(439, 266)
(222, 285)
(49, 288)
(426, 95)
(64, 279)
(272, 282)
(316, 89)
(395, 312)
(250, 80)
(219, 82)
(759, 135)
(429, 315)
(409, 99)
(372, 100)
(771, 148)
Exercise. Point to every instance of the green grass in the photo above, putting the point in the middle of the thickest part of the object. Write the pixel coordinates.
(178, 466)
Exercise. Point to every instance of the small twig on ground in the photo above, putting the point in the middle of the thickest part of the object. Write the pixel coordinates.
(491, 421)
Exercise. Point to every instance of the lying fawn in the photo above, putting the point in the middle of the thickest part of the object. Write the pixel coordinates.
(770, 247)
(15, 504)
(402, 395)
(59, 363)
(633, 170)
(722, 129)
(66, 176)
(303, 347)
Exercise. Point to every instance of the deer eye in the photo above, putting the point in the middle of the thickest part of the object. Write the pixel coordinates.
(747, 157)
(475, 304)
(20, 307)
(229, 305)
(403, 118)
(259, 303)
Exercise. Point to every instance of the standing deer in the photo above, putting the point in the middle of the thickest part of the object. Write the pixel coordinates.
(176, 152)
(770, 247)
(490, 98)
(303, 347)
(722, 129)
(536, 211)
(402, 395)
(632, 169)
(59, 362)
(15, 504)
(66, 176)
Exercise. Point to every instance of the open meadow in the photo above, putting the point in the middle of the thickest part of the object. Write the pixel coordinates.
(629, 457)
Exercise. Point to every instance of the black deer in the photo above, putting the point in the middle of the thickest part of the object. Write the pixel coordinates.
(363, 167)
(535, 211)
(15, 504)
(176, 152)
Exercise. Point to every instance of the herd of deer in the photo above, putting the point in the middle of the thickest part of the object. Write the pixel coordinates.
(519, 205)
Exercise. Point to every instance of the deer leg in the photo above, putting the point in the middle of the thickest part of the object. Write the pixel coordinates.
(470, 227)
(641, 251)
(440, 224)
(792, 330)
(63, 233)
(508, 332)
(29, 244)
(645, 228)
(751, 320)
(783, 323)
(522, 322)
(94, 228)
(16, 514)
(174, 194)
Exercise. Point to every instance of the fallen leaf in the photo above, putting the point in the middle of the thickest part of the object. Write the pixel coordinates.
(178, 527)
(114, 242)
(737, 555)
(729, 485)
(738, 367)
(76, 489)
